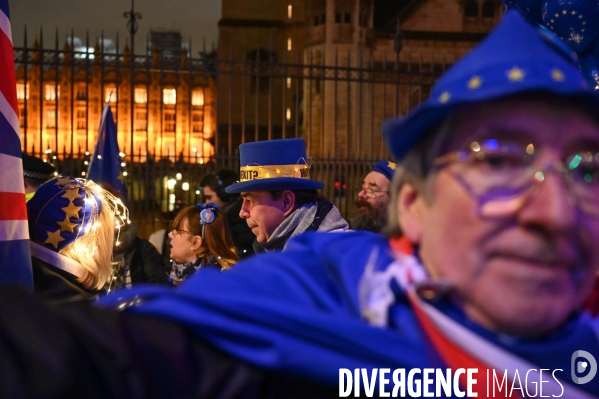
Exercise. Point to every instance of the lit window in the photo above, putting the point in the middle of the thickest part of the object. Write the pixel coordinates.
(140, 121)
(289, 44)
(52, 92)
(289, 11)
(110, 94)
(169, 96)
(22, 91)
(81, 93)
(198, 123)
(141, 95)
(81, 119)
(51, 118)
(288, 114)
(23, 117)
(197, 98)
(289, 83)
(169, 122)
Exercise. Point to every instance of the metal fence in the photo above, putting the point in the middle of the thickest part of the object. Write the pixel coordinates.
(181, 117)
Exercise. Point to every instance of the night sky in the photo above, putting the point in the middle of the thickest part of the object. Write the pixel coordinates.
(195, 19)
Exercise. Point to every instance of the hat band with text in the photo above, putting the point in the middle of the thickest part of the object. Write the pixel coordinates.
(255, 172)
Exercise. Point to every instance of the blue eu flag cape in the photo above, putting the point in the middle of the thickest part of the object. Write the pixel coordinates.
(298, 312)
(105, 165)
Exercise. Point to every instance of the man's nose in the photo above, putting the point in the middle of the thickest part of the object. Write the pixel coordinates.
(552, 205)
(362, 195)
(243, 213)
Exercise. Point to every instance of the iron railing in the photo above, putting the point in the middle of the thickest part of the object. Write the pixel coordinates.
(336, 104)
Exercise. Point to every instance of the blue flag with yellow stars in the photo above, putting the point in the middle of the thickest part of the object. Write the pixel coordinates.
(105, 165)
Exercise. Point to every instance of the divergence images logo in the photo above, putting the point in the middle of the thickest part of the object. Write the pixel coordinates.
(582, 366)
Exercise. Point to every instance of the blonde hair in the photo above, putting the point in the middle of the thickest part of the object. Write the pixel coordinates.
(97, 262)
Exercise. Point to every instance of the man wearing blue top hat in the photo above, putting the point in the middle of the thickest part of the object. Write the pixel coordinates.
(279, 199)
(370, 212)
(497, 192)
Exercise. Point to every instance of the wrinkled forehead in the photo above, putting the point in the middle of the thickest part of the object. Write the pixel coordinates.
(376, 179)
(546, 121)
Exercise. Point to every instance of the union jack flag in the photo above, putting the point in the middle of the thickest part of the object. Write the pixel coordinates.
(15, 258)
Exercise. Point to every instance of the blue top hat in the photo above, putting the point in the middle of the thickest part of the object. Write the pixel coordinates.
(62, 210)
(515, 58)
(274, 165)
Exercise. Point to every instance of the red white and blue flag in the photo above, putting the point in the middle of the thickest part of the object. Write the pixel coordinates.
(15, 258)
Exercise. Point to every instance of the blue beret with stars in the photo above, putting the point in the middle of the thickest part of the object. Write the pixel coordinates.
(61, 210)
(514, 59)
(386, 168)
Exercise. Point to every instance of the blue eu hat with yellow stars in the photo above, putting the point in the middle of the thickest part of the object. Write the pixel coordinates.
(386, 168)
(515, 58)
(62, 210)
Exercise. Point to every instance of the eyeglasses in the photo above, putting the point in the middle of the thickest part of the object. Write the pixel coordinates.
(176, 232)
(501, 176)
(370, 193)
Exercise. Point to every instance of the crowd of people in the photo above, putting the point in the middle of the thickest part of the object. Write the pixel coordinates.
(478, 250)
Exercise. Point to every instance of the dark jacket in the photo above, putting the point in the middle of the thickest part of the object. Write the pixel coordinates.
(147, 265)
(243, 238)
(55, 286)
(142, 261)
(78, 351)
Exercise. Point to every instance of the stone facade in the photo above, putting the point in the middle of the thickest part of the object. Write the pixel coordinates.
(358, 79)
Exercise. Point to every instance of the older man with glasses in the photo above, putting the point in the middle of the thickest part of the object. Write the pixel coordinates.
(370, 209)
(497, 193)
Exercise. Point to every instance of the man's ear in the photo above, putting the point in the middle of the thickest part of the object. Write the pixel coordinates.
(288, 199)
(409, 210)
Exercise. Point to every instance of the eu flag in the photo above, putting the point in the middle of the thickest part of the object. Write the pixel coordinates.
(15, 257)
(105, 165)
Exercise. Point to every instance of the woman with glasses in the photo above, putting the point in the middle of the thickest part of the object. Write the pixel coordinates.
(200, 238)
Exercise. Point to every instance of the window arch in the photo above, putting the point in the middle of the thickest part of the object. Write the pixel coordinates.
(471, 9)
(488, 10)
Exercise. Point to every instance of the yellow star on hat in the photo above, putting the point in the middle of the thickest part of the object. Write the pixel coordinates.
(71, 210)
(66, 225)
(391, 165)
(54, 238)
(72, 194)
(474, 83)
(557, 75)
(516, 74)
(443, 98)
(63, 180)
